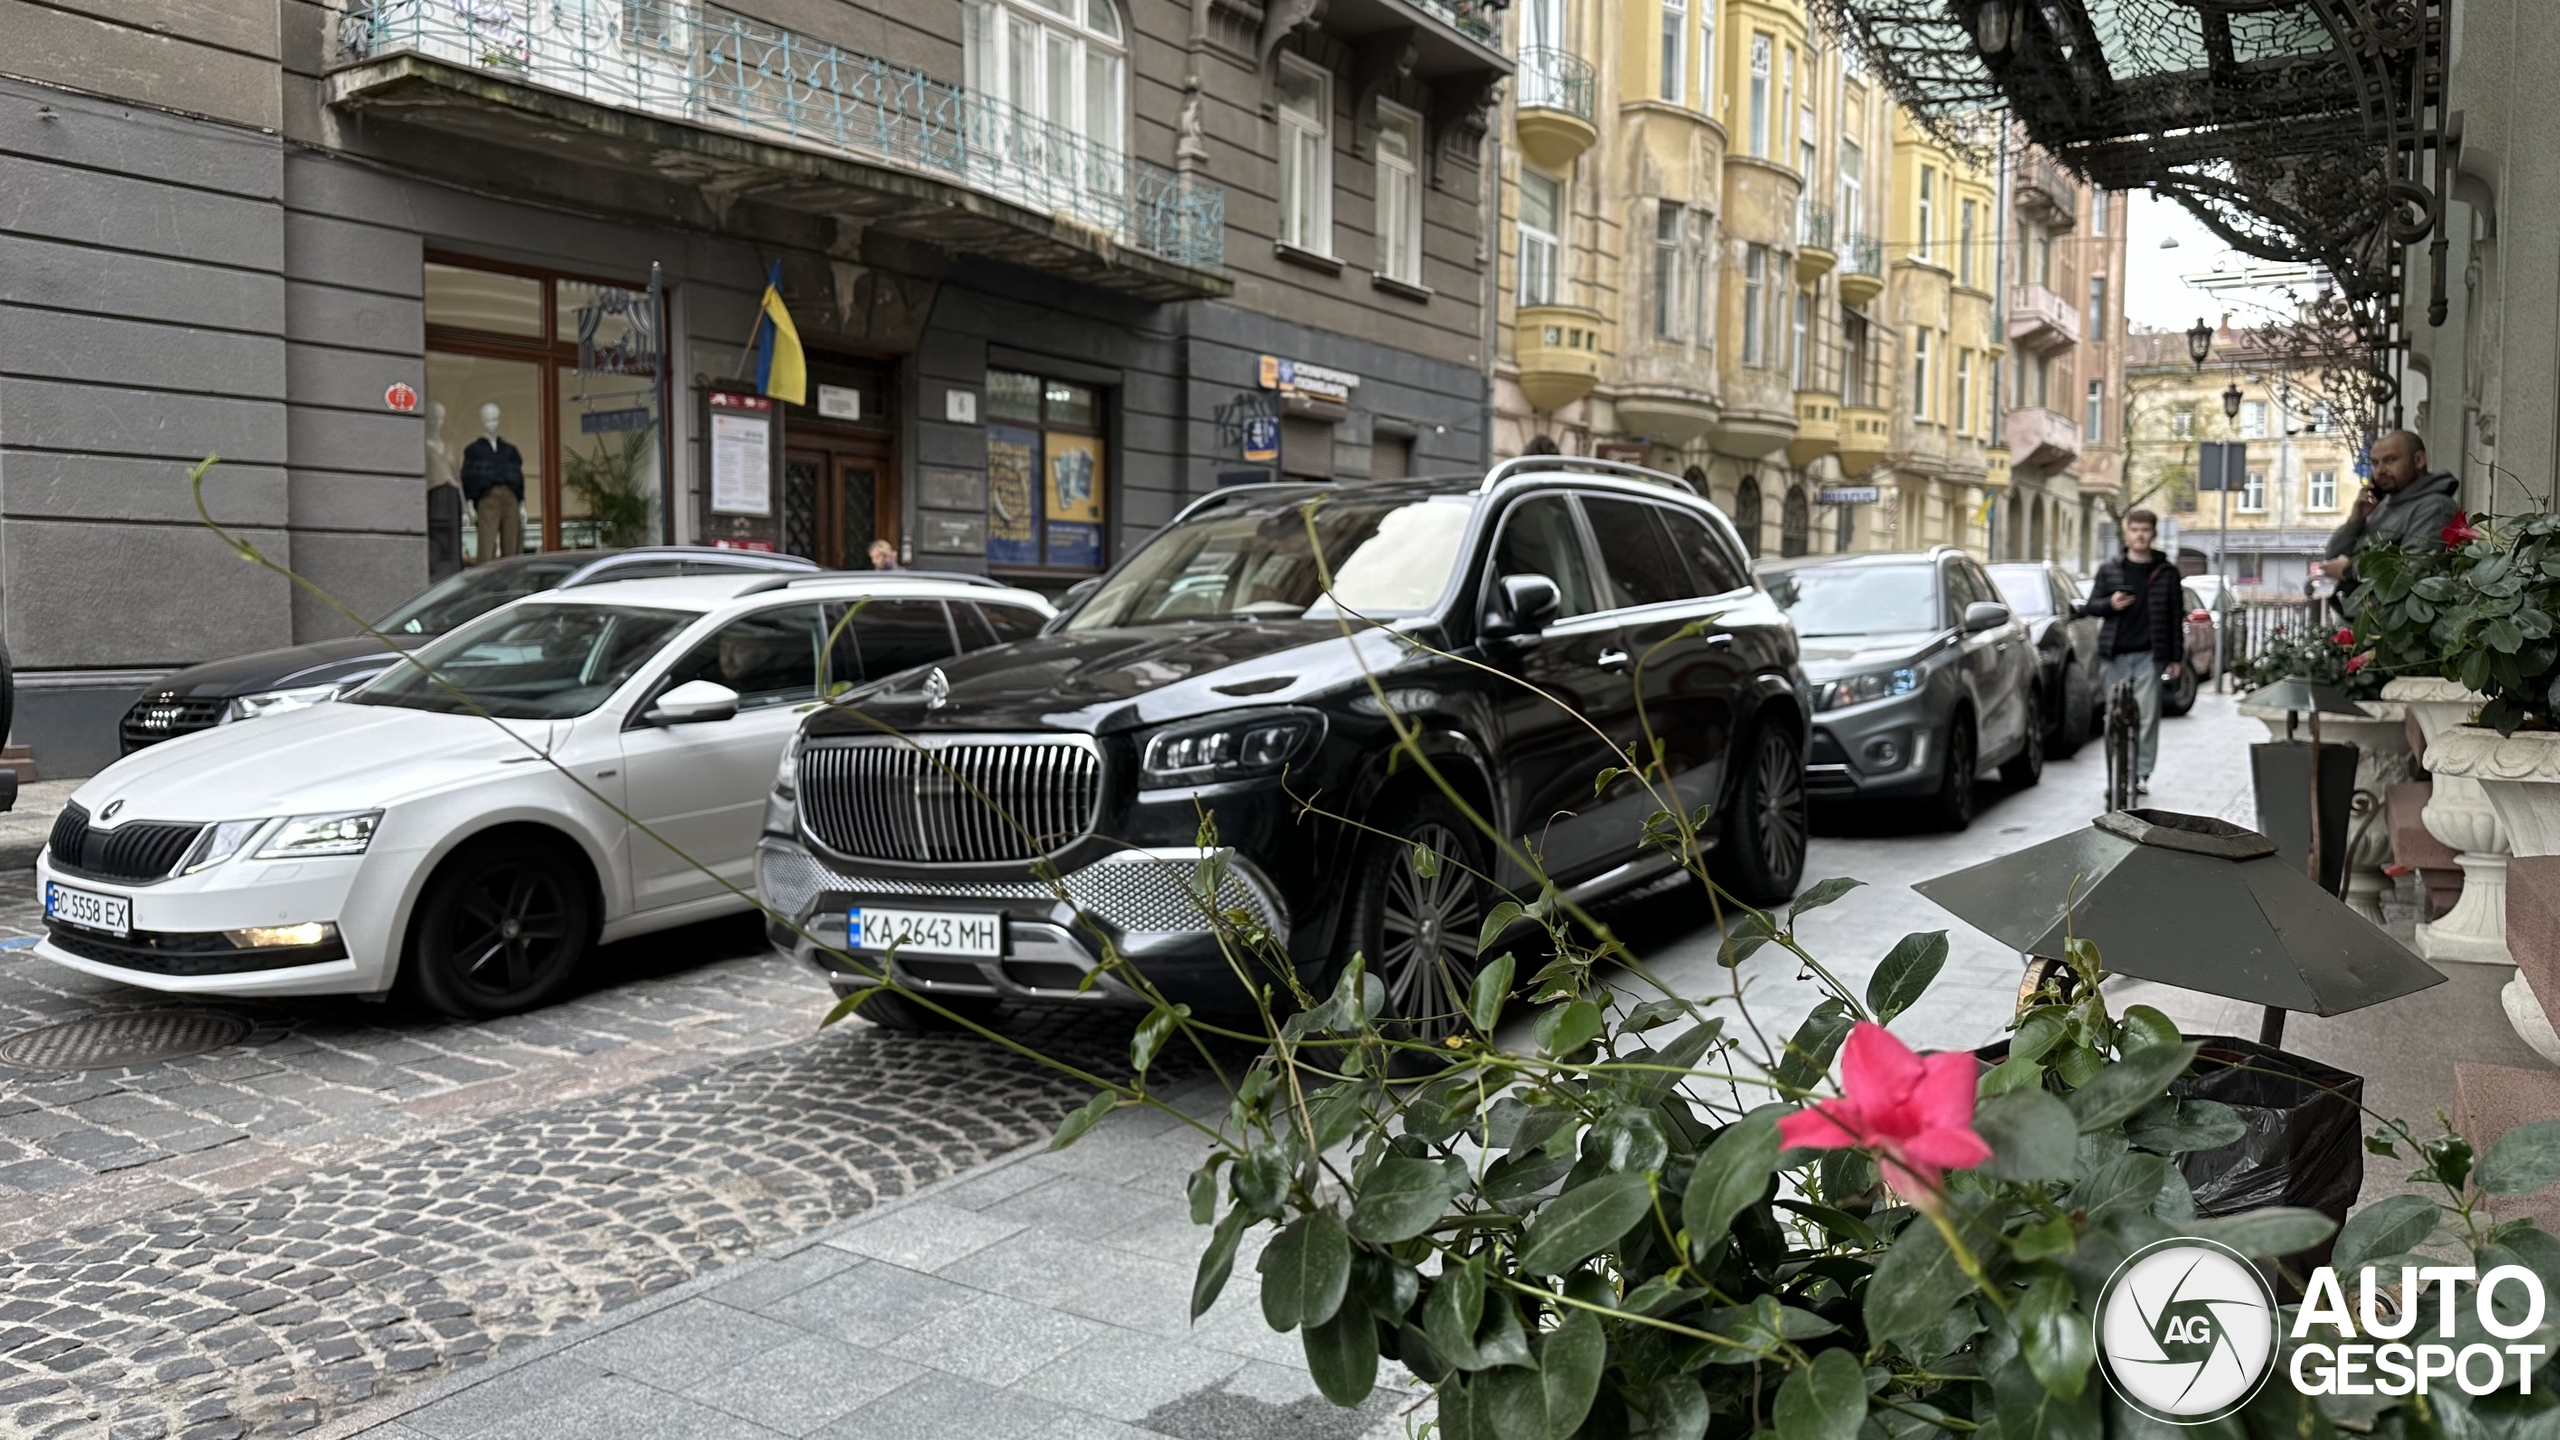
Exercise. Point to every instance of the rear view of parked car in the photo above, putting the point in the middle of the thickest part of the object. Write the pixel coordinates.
(2179, 696)
(1921, 678)
(2047, 600)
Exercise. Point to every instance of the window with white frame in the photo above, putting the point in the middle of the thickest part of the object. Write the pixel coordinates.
(2322, 492)
(1306, 156)
(1399, 194)
(1965, 224)
(2253, 419)
(2253, 491)
(1755, 300)
(2182, 424)
(1707, 57)
(1669, 314)
(1853, 164)
(2098, 213)
(1786, 98)
(1928, 232)
(1763, 53)
(1064, 62)
(1964, 392)
(1920, 373)
(1675, 46)
(2097, 309)
(1541, 204)
(2093, 429)
(1801, 337)
(2324, 419)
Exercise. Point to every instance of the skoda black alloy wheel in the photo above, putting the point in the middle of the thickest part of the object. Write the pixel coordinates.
(1759, 853)
(1418, 920)
(501, 928)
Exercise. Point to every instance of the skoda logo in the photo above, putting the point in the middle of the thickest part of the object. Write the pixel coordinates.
(2186, 1331)
(112, 807)
(937, 689)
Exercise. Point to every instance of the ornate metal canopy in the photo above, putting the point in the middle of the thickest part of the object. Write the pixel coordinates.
(2297, 130)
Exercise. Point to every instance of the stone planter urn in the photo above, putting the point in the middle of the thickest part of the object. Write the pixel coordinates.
(2382, 761)
(2519, 774)
(2459, 814)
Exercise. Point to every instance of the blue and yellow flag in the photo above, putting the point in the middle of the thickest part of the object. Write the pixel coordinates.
(781, 370)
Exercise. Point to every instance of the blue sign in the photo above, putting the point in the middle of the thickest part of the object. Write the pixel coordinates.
(1262, 438)
(1075, 544)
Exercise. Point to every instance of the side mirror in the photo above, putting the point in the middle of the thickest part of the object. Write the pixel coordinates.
(1526, 604)
(1984, 615)
(692, 703)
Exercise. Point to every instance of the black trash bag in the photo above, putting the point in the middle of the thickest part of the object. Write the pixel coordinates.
(2305, 1144)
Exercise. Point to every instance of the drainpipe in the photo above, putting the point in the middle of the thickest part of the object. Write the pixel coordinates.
(1488, 273)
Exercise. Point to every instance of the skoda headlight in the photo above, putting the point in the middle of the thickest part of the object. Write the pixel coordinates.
(306, 836)
(1228, 749)
(1873, 685)
(221, 841)
(276, 702)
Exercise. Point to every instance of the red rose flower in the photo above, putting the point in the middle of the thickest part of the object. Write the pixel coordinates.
(2459, 532)
(2345, 636)
(2357, 662)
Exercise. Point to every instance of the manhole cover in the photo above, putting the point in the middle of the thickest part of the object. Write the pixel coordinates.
(136, 1037)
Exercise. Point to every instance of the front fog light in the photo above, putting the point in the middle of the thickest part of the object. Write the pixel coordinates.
(261, 937)
(1884, 752)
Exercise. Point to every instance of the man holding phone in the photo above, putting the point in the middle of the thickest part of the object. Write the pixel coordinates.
(2137, 595)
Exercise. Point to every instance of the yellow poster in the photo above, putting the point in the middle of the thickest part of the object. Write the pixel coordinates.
(1075, 478)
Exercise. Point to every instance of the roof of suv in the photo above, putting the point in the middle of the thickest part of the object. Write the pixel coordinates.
(1875, 557)
(711, 592)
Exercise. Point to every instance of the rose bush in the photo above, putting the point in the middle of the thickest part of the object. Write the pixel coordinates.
(2328, 656)
(2480, 612)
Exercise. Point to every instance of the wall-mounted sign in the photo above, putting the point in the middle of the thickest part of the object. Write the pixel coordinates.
(960, 407)
(839, 402)
(402, 397)
(1308, 389)
(1849, 494)
(741, 454)
(2222, 465)
(1262, 439)
(609, 422)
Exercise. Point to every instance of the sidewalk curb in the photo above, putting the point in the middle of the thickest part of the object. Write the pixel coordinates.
(392, 1407)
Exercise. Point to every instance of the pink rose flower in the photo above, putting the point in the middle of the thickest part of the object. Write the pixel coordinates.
(1914, 1113)
(2459, 532)
(2357, 662)
(2345, 636)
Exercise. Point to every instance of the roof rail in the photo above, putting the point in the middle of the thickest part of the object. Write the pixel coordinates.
(1588, 465)
(823, 577)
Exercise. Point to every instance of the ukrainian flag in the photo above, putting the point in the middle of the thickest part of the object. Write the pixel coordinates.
(781, 370)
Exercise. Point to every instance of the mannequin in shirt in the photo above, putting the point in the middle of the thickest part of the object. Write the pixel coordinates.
(493, 483)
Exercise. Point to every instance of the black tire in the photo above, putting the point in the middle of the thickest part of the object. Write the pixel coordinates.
(2027, 766)
(1419, 931)
(2073, 725)
(503, 925)
(2179, 698)
(892, 1011)
(1759, 853)
(1952, 807)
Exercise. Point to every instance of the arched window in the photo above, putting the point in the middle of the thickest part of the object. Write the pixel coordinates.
(1795, 523)
(1746, 513)
(1060, 65)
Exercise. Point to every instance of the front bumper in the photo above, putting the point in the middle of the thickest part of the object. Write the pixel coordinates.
(1884, 748)
(177, 942)
(1147, 905)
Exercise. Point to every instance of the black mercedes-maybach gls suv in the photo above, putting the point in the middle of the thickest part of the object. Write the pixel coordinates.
(1211, 698)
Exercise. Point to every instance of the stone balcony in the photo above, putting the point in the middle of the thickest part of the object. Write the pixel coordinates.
(2042, 439)
(2041, 321)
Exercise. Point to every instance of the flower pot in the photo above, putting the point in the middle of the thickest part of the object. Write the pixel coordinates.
(2520, 776)
(2381, 738)
(2458, 813)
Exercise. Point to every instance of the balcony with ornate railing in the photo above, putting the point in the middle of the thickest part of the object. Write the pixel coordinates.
(1816, 252)
(1478, 20)
(2049, 191)
(1554, 114)
(1861, 269)
(708, 69)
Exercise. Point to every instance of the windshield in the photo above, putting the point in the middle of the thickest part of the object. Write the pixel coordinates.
(534, 662)
(2025, 591)
(1856, 599)
(1390, 556)
(475, 592)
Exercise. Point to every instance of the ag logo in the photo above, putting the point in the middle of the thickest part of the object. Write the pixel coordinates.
(2186, 1331)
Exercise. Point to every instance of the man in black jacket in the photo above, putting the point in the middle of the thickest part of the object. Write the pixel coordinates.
(2137, 593)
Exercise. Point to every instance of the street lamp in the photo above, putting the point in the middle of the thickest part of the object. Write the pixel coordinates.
(2231, 402)
(2199, 342)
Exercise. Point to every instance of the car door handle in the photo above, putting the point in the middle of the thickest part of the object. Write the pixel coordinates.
(1613, 660)
(1720, 639)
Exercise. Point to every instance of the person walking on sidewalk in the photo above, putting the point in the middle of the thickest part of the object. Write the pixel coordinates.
(2137, 594)
(2405, 505)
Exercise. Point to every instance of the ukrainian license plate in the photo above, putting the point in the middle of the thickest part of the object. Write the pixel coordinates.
(88, 909)
(925, 932)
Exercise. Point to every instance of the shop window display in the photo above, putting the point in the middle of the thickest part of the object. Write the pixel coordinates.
(1047, 473)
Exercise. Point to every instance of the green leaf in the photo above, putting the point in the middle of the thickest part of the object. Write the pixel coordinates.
(1671, 1408)
(2392, 1225)
(2524, 1160)
(1809, 1052)
(1202, 1188)
(1342, 1354)
(2055, 1337)
(2178, 1127)
(1402, 1198)
(1905, 974)
(1733, 1173)
(1626, 1138)
(2031, 1134)
(1453, 1310)
(2278, 1230)
(2116, 1092)
(1564, 1029)
(1152, 1033)
(2143, 1025)
(1819, 894)
(1501, 919)
(2128, 1181)
(2038, 1034)
(1519, 1176)
(2049, 1241)
(1915, 1286)
(1304, 1271)
(1583, 1220)
(1492, 986)
(2011, 1074)
(1216, 1263)
(1261, 1181)
(1826, 1400)
(1680, 1054)
(1569, 1364)
(1652, 1013)
(1084, 1117)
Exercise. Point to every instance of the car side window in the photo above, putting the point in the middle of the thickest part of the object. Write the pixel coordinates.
(1540, 538)
(1980, 580)
(2066, 593)
(1957, 587)
(769, 658)
(638, 570)
(1713, 570)
(1010, 622)
(887, 636)
(1636, 551)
